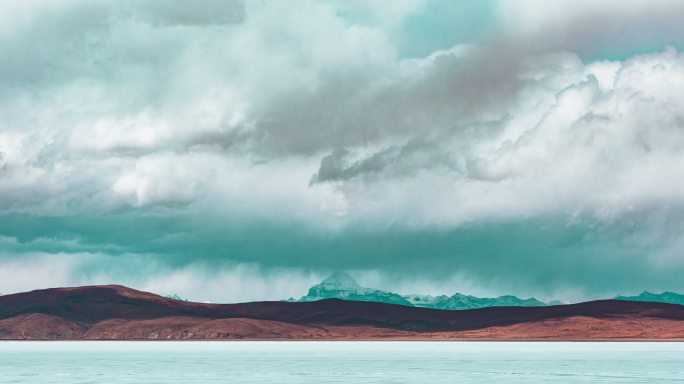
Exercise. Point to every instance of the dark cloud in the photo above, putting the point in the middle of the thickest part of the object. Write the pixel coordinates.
(535, 254)
(446, 93)
(397, 161)
(594, 30)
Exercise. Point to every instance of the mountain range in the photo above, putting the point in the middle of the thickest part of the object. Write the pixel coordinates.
(340, 285)
(665, 297)
(115, 312)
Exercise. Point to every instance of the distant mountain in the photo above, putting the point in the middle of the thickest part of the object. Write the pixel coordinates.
(665, 297)
(342, 286)
(460, 301)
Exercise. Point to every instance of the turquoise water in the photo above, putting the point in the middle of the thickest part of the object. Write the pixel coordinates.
(339, 362)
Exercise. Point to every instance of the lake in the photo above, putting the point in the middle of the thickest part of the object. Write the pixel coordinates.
(115, 362)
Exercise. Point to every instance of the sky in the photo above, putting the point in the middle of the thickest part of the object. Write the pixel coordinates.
(233, 151)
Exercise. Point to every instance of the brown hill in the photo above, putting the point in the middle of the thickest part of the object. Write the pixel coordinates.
(117, 312)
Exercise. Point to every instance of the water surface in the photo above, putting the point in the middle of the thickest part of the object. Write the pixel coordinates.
(339, 362)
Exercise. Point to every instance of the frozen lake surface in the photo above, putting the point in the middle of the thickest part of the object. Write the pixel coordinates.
(340, 362)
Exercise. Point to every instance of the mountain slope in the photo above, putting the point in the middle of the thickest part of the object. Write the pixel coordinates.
(116, 312)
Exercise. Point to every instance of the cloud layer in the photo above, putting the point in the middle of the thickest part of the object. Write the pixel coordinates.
(318, 137)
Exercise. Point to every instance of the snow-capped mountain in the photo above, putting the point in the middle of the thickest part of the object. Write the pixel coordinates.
(340, 285)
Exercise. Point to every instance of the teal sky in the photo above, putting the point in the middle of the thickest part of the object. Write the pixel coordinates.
(233, 151)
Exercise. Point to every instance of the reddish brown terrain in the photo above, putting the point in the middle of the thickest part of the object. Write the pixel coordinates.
(116, 312)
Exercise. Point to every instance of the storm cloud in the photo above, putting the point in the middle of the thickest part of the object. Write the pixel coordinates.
(537, 151)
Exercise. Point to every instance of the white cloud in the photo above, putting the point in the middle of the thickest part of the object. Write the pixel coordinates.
(582, 139)
(245, 127)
